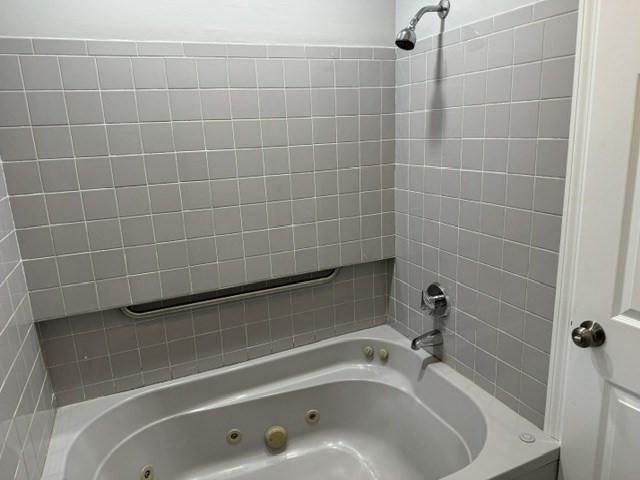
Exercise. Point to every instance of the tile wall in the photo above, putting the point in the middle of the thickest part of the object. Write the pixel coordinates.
(99, 353)
(26, 396)
(481, 142)
(141, 171)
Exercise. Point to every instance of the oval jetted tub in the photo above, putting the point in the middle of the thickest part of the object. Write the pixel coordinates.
(407, 418)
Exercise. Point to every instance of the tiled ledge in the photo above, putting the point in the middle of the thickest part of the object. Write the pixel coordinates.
(57, 46)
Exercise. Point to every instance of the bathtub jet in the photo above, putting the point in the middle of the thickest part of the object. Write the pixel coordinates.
(406, 39)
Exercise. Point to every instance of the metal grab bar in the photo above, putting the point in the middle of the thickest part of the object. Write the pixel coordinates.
(234, 297)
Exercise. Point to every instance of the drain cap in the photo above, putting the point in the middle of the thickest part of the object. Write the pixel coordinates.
(275, 437)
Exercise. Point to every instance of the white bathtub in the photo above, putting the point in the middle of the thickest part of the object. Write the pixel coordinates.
(406, 419)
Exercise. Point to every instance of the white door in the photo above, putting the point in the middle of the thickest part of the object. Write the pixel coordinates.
(600, 430)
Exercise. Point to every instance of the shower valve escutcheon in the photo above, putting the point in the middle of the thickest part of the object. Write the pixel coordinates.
(435, 301)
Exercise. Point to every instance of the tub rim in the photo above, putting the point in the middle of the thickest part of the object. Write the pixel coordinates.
(503, 455)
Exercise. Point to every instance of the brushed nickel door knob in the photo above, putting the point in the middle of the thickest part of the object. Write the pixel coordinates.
(588, 334)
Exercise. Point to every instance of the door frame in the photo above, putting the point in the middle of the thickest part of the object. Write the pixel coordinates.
(588, 13)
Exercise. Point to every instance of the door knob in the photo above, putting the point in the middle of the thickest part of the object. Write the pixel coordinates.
(588, 334)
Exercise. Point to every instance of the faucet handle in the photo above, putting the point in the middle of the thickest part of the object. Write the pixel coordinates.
(435, 300)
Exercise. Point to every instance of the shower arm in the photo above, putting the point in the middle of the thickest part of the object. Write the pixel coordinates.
(442, 9)
(416, 18)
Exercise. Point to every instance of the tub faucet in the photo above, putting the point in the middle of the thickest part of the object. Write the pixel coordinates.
(432, 338)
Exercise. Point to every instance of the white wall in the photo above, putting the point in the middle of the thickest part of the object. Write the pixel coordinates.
(354, 22)
(462, 12)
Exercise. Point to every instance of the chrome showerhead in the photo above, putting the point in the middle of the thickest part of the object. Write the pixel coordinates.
(406, 38)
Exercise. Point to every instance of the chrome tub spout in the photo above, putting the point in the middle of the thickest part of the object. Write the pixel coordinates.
(432, 338)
